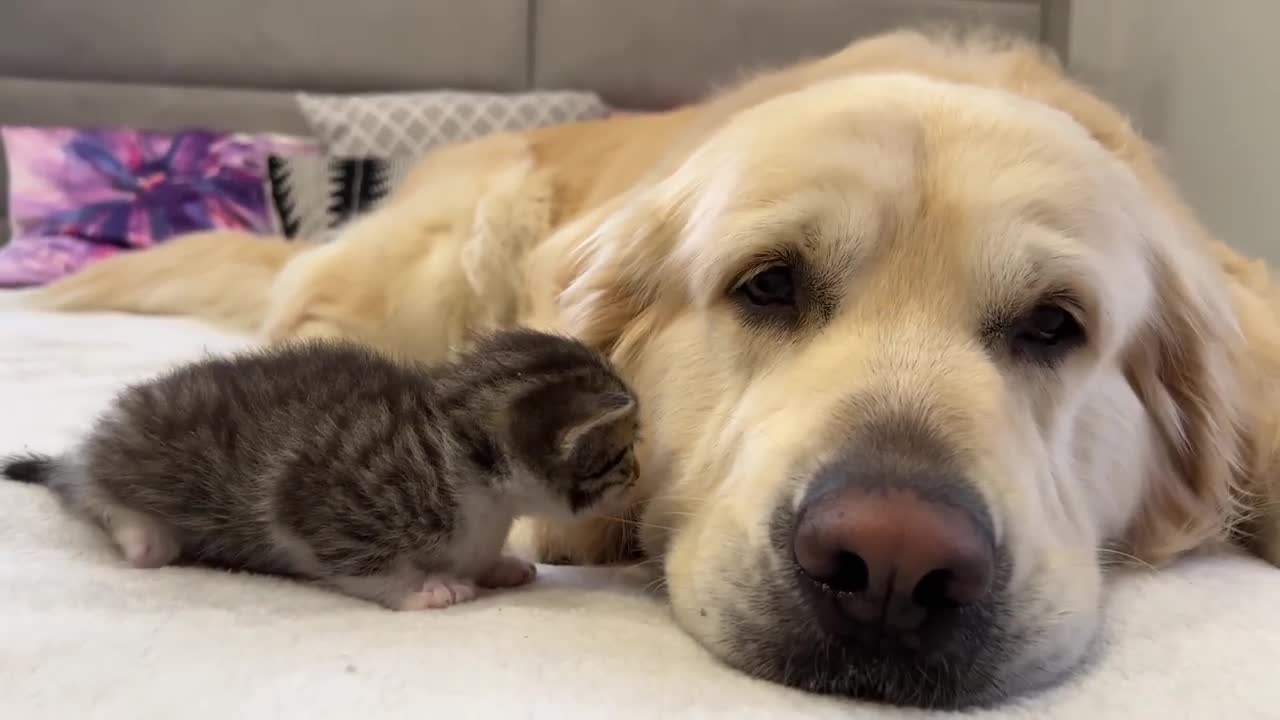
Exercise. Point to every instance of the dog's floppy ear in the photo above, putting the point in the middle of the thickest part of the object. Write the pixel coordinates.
(1183, 368)
(622, 266)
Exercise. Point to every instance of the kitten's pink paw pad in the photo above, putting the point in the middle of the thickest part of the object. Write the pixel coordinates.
(509, 572)
(439, 591)
(145, 547)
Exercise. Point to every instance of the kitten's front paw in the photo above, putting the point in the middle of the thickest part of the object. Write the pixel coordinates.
(508, 572)
(438, 591)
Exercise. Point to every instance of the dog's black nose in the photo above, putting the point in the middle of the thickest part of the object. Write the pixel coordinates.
(881, 563)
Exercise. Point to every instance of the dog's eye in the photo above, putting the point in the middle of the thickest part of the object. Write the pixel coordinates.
(773, 286)
(1047, 332)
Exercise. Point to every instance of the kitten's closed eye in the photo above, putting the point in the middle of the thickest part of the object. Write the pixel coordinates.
(609, 466)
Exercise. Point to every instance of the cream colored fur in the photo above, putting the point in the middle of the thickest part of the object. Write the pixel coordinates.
(934, 180)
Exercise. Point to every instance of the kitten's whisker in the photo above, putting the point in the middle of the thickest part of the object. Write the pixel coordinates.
(637, 523)
(656, 585)
(673, 496)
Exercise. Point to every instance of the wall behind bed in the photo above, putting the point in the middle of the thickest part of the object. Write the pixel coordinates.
(232, 64)
(236, 64)
(1200, 80)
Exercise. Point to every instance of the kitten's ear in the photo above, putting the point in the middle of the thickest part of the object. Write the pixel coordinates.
(614, 419)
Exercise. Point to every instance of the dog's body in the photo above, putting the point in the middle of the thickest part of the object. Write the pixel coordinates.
(912, 259)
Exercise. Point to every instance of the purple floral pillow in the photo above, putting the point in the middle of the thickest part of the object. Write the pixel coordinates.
(76, 196)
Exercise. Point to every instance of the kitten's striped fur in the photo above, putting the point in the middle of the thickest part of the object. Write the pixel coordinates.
(390, 481)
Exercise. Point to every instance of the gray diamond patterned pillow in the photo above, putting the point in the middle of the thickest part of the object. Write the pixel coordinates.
(409, 124)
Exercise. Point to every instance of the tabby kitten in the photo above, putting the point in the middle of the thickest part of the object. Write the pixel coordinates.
(386, 480)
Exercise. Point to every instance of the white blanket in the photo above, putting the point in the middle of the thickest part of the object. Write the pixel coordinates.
(84, 636)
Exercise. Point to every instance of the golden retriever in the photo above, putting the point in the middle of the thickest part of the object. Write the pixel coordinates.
(924, 340)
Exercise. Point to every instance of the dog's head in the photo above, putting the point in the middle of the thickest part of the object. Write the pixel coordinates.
(915, 359)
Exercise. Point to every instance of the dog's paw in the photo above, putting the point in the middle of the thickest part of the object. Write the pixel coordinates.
(592, 541)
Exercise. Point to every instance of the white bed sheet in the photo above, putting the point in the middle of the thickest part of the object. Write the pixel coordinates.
(84, 636)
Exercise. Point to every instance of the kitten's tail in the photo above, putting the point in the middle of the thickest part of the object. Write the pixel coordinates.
(64, 475)
(35, 469)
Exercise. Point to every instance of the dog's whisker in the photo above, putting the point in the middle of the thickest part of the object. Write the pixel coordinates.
(1127, 558)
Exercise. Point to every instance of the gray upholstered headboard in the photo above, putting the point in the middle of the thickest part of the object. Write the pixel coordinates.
(234, 63)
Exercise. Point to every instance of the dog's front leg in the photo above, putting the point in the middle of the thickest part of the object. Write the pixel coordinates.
(592, 541)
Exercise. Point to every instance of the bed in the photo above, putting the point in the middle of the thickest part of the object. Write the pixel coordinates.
(83, 635)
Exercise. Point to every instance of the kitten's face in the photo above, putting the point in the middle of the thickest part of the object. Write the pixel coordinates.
(597, 464)
(578, 448)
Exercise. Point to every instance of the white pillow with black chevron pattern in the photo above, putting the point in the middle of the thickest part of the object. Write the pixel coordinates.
(314, 195)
